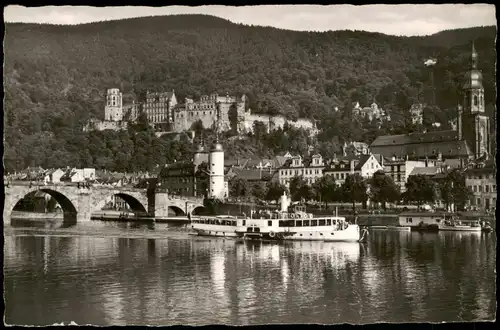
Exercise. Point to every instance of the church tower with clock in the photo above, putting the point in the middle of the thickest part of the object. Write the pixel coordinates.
(475, 125)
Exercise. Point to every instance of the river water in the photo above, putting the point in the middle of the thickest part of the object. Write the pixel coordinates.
(104, 273)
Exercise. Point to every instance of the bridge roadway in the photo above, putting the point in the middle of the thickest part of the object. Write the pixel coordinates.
(78, 203)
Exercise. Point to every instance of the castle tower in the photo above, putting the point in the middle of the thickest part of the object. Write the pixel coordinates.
(475, 123)
(113, 111)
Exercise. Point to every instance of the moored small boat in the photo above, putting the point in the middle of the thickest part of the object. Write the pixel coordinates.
(399, 228)
(461, 225)
(378, 227)
(486, 229)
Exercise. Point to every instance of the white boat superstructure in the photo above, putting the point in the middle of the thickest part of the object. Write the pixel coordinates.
(295, 224)
(222, 225)
(285, 224)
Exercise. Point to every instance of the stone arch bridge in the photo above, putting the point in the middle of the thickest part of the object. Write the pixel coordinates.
(79, 203)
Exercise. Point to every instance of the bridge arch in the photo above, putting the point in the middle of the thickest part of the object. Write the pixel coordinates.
(68, 207)
(177, 210)
(198, 210)
(135, 204)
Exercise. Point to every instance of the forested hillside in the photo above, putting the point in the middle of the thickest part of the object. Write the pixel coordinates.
(56, 78)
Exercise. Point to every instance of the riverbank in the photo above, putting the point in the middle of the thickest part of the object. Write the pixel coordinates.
(22, 215)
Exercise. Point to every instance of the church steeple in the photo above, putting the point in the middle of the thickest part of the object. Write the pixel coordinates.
(475, 124)
(474, 57)
(473, 87)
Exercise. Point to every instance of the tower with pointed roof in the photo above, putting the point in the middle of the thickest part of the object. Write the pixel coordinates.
(475, 124)
(216, 163)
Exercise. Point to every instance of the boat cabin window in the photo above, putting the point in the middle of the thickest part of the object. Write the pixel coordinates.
(321, 222)
(298, 223)
(409, 220)
(438, 220)
(314, 222)
(286, 223)
(269, 223)
(306, 223)
(328, 222)
(243, 222)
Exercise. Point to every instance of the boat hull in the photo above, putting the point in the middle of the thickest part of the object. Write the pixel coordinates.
(350, 234)
(214, 230)
(378, 227)
(470, 229)
(399, 228)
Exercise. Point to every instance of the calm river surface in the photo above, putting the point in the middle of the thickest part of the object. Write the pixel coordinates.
(115, 274)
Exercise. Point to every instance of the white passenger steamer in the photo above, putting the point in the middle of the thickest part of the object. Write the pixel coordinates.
(289, 223)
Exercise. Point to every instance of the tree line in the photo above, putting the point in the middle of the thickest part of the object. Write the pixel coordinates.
(380, 189)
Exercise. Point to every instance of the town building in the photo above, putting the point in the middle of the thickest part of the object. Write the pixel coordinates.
(481, 179)
(252, 176)
(187, 178)
(470, 140)
(340, 168)
(78, 175)
(158, 107)
(310, 168)
(203, 176)
(400, 169)
(53, 176)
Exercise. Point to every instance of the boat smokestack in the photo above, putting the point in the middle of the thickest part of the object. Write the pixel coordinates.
(284, 202)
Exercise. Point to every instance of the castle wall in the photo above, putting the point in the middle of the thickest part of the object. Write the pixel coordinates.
(99, 125)
(274, 122)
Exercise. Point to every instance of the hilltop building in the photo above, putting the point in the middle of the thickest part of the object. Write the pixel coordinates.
(113, 111)
(113, 114)
(158, 107)
(355, 148)
(371, 112)
(204, 110)
(470, 140)
(417, 113)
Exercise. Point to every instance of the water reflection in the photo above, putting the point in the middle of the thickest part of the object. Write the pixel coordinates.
(395, 277)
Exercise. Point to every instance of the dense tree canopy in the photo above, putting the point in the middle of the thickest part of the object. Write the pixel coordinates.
(420, 189)
(354, 189)
(453, 189)
(56, 78)
(383, 189)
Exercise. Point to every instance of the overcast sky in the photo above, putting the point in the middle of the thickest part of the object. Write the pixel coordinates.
(389, 19)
